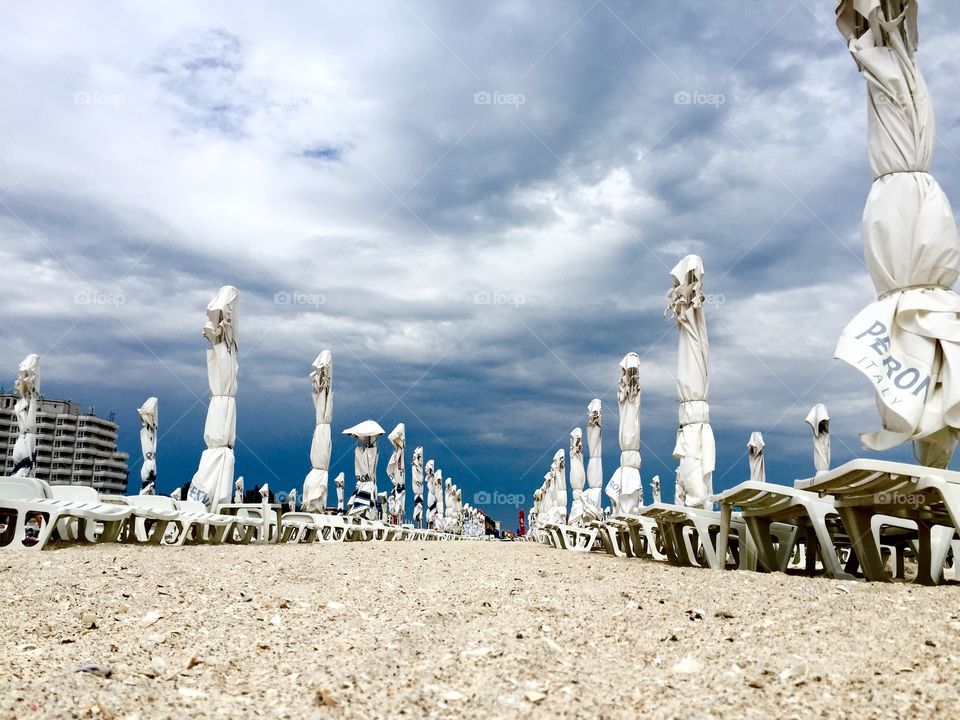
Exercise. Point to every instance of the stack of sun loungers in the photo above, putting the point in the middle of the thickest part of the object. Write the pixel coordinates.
(33, 514)
(864, 517)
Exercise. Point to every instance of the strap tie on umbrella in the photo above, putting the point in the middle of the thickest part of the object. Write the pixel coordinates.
(906, 288)
(901, 172)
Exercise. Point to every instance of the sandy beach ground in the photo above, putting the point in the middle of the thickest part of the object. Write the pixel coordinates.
(449, 630)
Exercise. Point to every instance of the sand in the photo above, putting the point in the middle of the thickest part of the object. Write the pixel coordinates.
(499, 630)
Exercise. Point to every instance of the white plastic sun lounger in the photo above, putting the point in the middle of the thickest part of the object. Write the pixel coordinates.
(154, 519)
(866, 488)
(573, 537)
(194, 524)
(22, 507)
(689, 534)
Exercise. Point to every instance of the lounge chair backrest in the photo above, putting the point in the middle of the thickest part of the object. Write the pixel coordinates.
(192, 506)
(153, 502)
(38, 488)
(81, 493)
(16, 491)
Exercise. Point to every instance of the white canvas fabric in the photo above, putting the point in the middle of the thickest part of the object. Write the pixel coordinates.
(432, 495)
(758, 472)
(655, 484)
(907, 343)
(535, 509)
(27, 388)
(292, 498)
(819, 422)
(695, 447)
(316, 484)
(338, 483)
(149, 417)
(438, 496)
(416, 477)
(363, 502)
(592, 507)
(213, 482)
(238, 490)
(578, 476)
(458, 513)
(624, 489)
(559, 476)
(176, 494)
(449, 503)
(397, 472)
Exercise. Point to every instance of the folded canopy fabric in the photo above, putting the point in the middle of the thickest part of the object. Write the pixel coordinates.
(338, 483)
(819, 422)
(907, 343)
(213, 481)
(416, 478)
(624, 488)
(578, 476)
(363, 502)
(558, 472)
(315, 485)
(695, 447)
(397, 472)
(428, 473)
(27, 388)
(149, 417)
(592, 504)
(758, 472)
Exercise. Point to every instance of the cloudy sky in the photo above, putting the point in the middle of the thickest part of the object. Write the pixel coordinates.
(474, 206)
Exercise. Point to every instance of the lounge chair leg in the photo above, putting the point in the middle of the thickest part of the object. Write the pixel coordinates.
(857, 523)
(723, 538)
(823, 543)
(759, 529)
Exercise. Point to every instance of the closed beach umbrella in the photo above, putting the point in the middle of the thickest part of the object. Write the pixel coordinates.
(428, 473)
(238, 490)
(27, 388)
(559, 473)
(416, 476)
(397, 472)
(213, 481)
(819, 422)
(315, 485)
(758, 473)
(907, 343)
(655, 485)
(439, 497)
(149, 414)
(624, 489)
(578, 476)
(364, 499)
(695, 447)
(592, 509)
(449, 504)
(338, 483)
